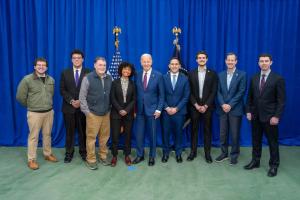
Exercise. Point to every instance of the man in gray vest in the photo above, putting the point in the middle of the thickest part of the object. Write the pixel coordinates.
(95, 103)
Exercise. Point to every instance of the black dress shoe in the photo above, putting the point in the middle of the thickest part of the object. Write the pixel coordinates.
(179, 159)
(138, 160)
(151, 162)
(165, 158)
(253, 164)
(272, 172)
(68, 159)
(191, 156)
(83, 157)
(208, 158)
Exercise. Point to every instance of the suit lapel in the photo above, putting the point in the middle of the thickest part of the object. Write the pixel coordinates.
(71, 74)
(197, 81)
(269, 79)
(234, 78)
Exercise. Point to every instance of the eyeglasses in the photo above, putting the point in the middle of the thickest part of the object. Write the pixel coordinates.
(76, 58)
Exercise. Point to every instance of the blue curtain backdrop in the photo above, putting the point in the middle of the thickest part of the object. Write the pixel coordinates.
(51, 29)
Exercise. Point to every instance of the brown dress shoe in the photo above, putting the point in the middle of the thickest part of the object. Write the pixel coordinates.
(32, 164)
(51, 158)
(127, 160)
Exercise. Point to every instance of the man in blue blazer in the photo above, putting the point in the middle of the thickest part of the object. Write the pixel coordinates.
(177, 92)
(150, 99)
(231, 91)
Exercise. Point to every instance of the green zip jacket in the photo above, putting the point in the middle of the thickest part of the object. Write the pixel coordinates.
(34, 94)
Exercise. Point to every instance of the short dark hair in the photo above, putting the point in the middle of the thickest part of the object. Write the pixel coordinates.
(201, 52)
(265, 55)
(77, 51)
(41, 59)
(231, 54)
(175, 58)
(125, 65)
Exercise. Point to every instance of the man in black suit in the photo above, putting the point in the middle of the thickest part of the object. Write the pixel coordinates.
(70, 83)
(204, 84)
(265, 104)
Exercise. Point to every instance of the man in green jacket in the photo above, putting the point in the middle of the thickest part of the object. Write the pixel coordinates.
(35, 92)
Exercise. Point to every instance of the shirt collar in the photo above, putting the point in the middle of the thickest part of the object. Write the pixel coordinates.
(74, 69)
(176, 74)
(202, 69)
(265, 73)
(231, 73)
(148, 72)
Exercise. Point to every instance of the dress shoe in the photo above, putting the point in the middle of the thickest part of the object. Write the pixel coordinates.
(165, 158)
(83, 157)
(272, 172)
(32, 164)
(233, 162)
(67, 159)
(179, 159)
(113, 162)
(138, 160)
(191, 156)
(208, 158)
(51, 158)
(127, 160)
(253, 164)
(151, 162)
(221, 158)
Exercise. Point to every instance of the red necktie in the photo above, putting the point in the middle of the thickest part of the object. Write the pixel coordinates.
(145, 81)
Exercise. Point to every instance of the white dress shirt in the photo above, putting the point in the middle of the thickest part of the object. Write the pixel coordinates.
(201, 78)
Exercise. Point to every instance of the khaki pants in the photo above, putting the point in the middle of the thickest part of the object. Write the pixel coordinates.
(97, 126)
(36, 122)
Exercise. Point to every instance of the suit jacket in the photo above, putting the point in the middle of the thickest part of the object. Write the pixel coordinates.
(209, 88)
(116, 97)
(270, 102)
(234, 96)
(152, 98)
(179, 96)
(68, 88)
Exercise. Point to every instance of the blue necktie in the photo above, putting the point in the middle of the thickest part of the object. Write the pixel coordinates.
(77, 77)
(173, 81)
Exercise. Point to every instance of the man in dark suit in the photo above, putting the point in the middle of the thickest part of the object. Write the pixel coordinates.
(177, 92)
(150, 99)
(203, 83)
(265, 105)
(231, 91)
(70, 83)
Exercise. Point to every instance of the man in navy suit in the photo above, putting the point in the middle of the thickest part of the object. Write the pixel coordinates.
(231, 91)
(177, 91)
(265, 105)
(150, 99)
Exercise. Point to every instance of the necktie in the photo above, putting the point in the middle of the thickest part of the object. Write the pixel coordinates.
(145, 81)
(173, 81)
(76, 77)
(262, 82)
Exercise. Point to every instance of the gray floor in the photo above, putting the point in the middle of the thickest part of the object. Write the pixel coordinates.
(189, 180)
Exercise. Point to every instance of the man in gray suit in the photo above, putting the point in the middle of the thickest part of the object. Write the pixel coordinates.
(231, 90)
